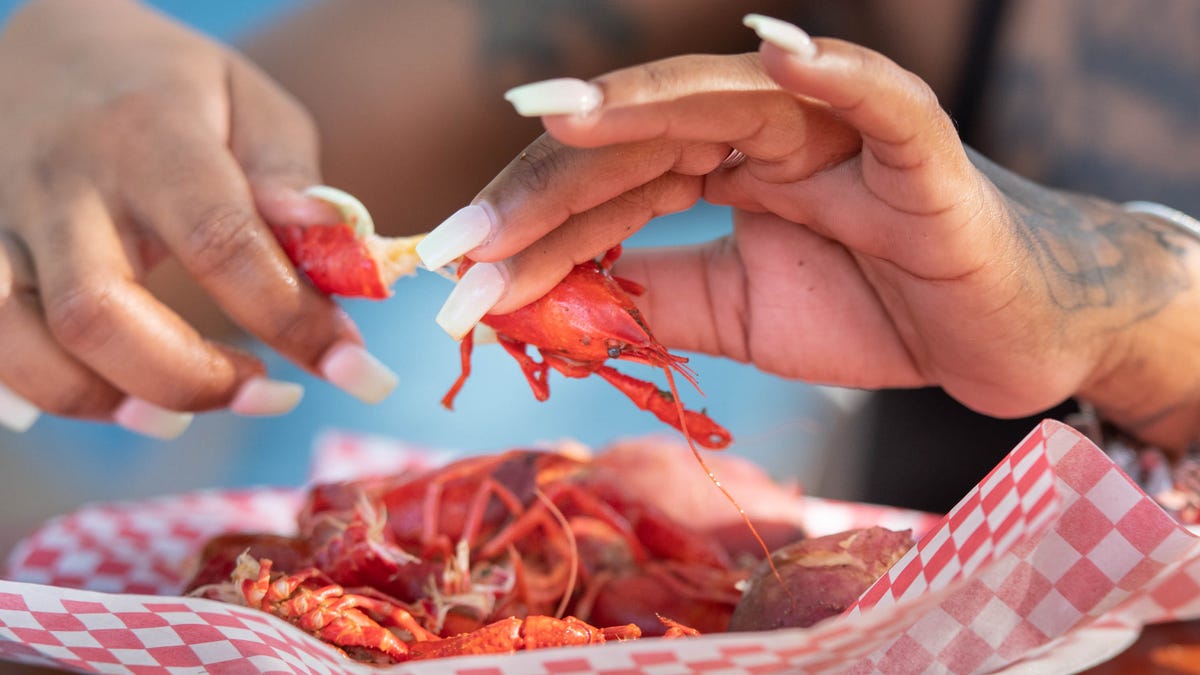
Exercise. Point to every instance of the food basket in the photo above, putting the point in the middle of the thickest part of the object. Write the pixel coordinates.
(1054, 561)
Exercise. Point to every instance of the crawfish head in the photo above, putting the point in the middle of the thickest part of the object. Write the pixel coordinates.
(587, 318)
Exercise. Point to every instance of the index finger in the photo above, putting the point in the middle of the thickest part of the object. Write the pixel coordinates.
(199, 202)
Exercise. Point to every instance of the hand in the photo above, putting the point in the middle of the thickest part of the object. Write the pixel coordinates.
(129, 139)
(869, 249)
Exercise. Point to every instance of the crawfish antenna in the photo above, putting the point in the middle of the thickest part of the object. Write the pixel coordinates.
(712, 476)
(572, 577)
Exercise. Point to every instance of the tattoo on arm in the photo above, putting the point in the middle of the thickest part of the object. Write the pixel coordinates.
(1092, 254)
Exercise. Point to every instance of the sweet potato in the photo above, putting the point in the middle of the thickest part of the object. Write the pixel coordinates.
(823, 576)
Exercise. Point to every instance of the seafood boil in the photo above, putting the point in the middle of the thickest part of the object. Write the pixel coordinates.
(525, 549)
(518, 550)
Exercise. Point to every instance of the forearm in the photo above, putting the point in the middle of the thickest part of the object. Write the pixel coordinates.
(1149, 386)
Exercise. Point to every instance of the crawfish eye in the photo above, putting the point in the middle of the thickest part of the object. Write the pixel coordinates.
(614, 352)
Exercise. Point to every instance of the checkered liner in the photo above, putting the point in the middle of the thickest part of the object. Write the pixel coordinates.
(1054, 547)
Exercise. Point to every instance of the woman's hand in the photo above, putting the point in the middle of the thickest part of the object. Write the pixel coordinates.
(129, 139)
(870, 247)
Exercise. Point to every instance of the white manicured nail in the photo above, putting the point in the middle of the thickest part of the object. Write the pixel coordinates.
(260, 396)
(782, 34)
(15, 412)
(561, 96)
(148, 419)
(475, 293)
(356, 372)
(466, 229)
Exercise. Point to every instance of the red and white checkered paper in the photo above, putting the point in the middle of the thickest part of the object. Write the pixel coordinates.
(1056, 557)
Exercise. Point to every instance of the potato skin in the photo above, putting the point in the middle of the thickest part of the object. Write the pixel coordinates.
(824, 576)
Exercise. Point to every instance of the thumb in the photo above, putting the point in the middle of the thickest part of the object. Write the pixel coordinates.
(274, 140)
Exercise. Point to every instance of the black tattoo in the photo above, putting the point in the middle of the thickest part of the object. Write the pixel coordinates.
(1091, 253)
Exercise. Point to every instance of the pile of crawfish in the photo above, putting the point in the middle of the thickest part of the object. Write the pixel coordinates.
(528, 549)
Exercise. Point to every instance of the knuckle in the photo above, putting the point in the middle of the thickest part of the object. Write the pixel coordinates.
(296, 334)
(195, 398)
(81, 317)
(220, 239)
(537, 165)
(658, 75)
(923, 95)
(124, 117)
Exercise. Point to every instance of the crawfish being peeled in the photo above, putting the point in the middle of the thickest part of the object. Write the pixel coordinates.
(585, 320)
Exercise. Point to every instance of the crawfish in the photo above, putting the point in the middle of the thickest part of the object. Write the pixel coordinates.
(368, 625)
(521, 532)
(579, 324)
(586, 319)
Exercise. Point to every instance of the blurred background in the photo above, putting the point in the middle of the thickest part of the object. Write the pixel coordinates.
(60, 464)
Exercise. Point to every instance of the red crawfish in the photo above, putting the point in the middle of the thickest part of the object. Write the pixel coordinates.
(587, 319)
(489, 554)
(368, 625)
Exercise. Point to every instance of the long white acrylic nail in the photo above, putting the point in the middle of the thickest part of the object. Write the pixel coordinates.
(561, 96)
(259, 396)
(15, 412)
(356, 372)
(475, 293)
(782, 34)
(148, 419)
(466, 229)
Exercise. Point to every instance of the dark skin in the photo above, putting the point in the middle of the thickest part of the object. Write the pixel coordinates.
(411, 181)
(1119, 291)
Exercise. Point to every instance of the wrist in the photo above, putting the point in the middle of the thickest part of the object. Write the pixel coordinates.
(1147, 381)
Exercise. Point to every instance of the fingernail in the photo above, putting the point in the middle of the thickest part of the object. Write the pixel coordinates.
(356, 372)
(475, 293)
(260, 396)
(353, 211)
(469, 227)
(15, 412)
(285, 205)
(561, 96)
(148, 419)
(782, 34)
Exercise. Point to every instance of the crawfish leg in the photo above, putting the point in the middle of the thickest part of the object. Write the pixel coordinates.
(535, 372)
(676, 629)
(606, 262)
(344, 623)
(646, 396)
(464, 349)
